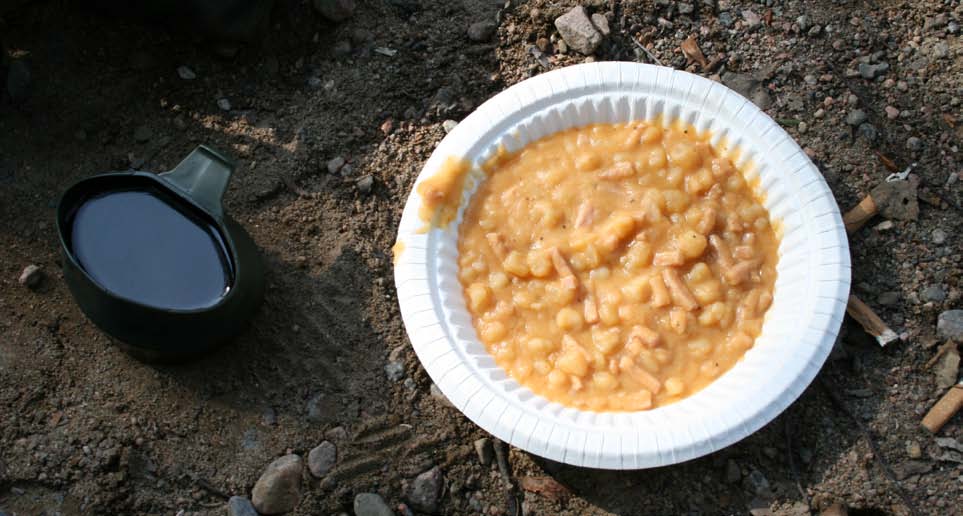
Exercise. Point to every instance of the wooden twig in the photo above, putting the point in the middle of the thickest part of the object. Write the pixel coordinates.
(650, 54)
(870, 322)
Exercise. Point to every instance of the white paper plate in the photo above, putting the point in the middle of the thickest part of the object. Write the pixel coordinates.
(808, 306)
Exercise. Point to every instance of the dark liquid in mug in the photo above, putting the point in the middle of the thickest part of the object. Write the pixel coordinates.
(139, 246)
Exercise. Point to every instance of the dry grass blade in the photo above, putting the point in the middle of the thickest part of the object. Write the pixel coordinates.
(693, 53)
(888, 163)
(545, 486)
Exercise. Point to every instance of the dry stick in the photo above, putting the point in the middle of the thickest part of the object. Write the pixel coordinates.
(870, 322)
(650, 54)
(877, 454)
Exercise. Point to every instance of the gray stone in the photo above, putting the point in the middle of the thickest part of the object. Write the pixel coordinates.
(686, 8)
(365, 184)
(888, 298)
(224, 104)
(725, 18)
(756, 482)
(186, 73)
(815, 31)
(934, 294)
(395, 371)
(804, 23)
(19, 79)
(279, 489)
(733, 473)
(872, 71)
(748, 87)
(601, 23)
(335, 164)
(31, 276)
(319, 407)
(752, 19)
(337, 434)
(371, 504)
(424, 492)
(322, 458)
(940, 50)
(949, 325)
(914, 144)
(315, 83)
(939, 236)
(240, 506)
(485, 451)
(335, 10)
(947, 369)
(953, 27)
(577, 30)
(449, 125)
(269, 417)
(482, 31)
(868, 131)
(856, 117)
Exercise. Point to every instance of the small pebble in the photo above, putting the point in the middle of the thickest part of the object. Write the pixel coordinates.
(335, 164)
(888, 298)
(322, 459)
(934, 294)
(868, 131)
(802, 127)
(856, 117)
(482, 31)
(365, 183)
(913, 450)
(424, 492)
(914, 144)
(939, 236)
(395, 371)
(804, 23)
(949, 325)
(240, 506)
(371, 504)
(279, 488)
(819, 113)
(31, 276)
(885, 225)
(449, 125)
(224, 104)
(891, 112)
(186, 73)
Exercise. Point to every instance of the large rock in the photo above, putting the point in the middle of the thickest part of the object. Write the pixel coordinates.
(577, 30)
(748, 87)
(371, 504)
(424, 492)
(279, 489)
(950, 325)
(322, 458)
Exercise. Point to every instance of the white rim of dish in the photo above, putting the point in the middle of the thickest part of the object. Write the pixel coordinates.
(809, 301)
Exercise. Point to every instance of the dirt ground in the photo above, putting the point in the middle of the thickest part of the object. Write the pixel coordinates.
(85, 429)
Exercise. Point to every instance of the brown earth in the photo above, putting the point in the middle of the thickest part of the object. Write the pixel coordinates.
(85, 429)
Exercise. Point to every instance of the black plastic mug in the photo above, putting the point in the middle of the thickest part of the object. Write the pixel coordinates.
(153, 260)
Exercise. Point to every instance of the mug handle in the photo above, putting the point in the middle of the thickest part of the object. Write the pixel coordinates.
(203, 176)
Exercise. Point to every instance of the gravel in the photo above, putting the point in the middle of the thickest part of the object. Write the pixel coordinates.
(322, 458)
(482, 31)
(279, 488)
(31, 276)
(949, 325)
(371, 504)
(577, 30)
(424, 492)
